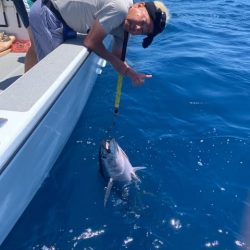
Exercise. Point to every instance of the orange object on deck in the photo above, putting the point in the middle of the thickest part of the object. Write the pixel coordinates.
(20, 46)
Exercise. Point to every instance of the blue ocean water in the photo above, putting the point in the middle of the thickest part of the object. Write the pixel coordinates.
(189, 125)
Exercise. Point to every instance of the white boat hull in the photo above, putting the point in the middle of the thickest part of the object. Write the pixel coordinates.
(42, 134)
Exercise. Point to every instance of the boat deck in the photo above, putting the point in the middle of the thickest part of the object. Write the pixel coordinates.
(12, 67)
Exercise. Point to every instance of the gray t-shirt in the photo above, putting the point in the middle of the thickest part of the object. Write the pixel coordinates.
(81, 14)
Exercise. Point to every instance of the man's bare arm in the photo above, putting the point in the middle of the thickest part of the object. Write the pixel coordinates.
(94, 42)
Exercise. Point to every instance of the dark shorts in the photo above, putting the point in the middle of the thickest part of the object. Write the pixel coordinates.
(46, 29)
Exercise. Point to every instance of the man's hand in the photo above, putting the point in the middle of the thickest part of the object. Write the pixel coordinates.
(137, 78)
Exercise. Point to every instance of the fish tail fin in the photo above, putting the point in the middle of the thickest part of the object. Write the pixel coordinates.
(110, 184)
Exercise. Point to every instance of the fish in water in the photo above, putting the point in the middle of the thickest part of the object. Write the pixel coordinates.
(115, 165)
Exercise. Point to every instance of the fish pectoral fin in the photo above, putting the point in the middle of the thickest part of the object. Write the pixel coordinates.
(133, 174)
(135, 177)
(110, 184)
(139, 168)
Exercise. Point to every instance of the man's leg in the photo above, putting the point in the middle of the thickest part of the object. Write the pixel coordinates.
(30, 59)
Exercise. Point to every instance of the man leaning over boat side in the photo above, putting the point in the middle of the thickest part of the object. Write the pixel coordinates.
(50, 18)
(22, 8)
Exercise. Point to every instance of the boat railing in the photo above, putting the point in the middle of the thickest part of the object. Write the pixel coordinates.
(28, 99)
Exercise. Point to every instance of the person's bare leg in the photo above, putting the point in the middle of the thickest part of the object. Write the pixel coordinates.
(30, 59)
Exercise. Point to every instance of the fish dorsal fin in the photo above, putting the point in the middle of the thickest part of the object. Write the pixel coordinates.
(135, 177)
(110, 184)
(139, 168)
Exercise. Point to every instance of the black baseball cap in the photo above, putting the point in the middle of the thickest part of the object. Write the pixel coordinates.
(158, 16)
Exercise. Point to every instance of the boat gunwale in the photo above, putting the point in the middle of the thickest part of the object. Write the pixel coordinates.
(8, 152)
